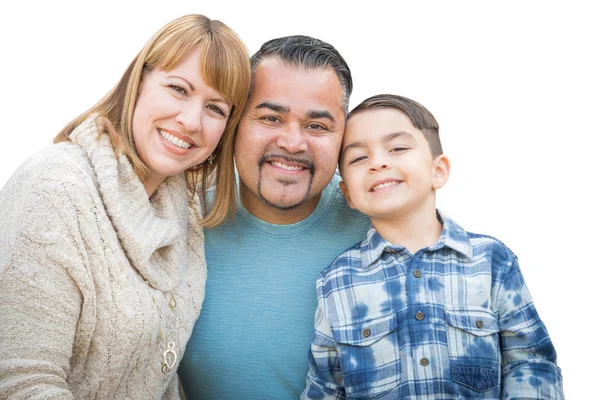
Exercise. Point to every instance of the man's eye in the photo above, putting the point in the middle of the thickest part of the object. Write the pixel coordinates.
(271, 118)
(317, 127)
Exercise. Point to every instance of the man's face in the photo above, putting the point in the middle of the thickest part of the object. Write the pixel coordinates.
(288, 140)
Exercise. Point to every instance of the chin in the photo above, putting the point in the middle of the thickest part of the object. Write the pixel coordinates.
(167, 172)
(289, 204)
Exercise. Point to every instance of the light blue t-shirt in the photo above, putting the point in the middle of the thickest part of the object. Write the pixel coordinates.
(253, 336)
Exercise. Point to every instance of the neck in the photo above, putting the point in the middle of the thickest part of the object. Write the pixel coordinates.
(151, 184)
(412, 230)
(274, 215)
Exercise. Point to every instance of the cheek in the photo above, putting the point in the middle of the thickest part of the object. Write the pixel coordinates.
(137, 126)
(358, 181)
(418, 172)
(213, 132)
(251, 143)
(355, 188)
(144, 115)
(325, 151)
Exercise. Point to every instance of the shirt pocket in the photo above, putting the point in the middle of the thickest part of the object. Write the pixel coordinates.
(473, 347)
(369, 356)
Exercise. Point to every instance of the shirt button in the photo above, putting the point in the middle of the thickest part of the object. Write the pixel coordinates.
(479, 324)
(424, 362)
(417, 273)
(366, 332)
(420, 316)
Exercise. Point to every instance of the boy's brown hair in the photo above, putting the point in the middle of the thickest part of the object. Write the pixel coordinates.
(420, 117)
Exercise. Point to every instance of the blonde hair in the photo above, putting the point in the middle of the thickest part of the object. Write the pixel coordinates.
(224, 65)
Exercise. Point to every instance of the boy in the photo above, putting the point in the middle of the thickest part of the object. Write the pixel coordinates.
(420, 309)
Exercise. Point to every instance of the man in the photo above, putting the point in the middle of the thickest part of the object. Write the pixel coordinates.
(253, 335)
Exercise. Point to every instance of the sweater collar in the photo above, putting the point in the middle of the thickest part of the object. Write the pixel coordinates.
(153, 232)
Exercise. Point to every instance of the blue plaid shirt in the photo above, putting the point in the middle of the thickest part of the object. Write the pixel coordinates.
(452, 321)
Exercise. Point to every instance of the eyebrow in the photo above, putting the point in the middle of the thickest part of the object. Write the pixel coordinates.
(391, 136)
(183, 79)
(219, 98)
(280, 108)
(386, 139)
(317, 114)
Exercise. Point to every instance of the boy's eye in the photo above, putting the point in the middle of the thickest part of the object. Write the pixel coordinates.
(357, 159)
(398, 149)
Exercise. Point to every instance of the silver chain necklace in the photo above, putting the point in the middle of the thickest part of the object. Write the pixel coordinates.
(169, 355)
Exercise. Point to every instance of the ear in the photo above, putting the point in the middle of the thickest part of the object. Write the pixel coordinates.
(346, 194)
(440, 171)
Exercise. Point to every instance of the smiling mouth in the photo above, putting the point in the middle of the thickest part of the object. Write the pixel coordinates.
(287, 163)
(286, 167)
(182, 144)
(384, 185)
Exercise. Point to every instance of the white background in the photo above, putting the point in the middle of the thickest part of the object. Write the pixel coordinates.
(514, 86)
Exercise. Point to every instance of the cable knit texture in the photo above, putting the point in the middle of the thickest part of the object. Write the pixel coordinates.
(89, 270)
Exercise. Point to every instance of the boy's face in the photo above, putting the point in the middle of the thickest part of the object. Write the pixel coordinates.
(387, 166)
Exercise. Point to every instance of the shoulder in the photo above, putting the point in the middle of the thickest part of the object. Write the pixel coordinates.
(478, 247)
(489, 245)
(53, 166)
(38, 200)
(491, 253)
(346, 263)
(58, 177)
(46, 184)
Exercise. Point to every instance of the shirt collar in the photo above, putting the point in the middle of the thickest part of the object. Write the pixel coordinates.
(453, 236)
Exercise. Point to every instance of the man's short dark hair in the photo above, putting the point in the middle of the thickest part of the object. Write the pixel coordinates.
(307, 52)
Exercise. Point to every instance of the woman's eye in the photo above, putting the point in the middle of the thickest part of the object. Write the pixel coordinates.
(217, 109)
(178, 89)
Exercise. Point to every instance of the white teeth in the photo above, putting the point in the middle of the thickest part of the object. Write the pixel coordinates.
(287, 167)
(174, 140)
(384, 185)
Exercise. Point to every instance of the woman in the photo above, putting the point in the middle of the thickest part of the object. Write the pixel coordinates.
(102, 266)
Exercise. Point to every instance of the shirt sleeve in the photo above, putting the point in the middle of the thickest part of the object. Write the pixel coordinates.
(324, 379)
(529, 368)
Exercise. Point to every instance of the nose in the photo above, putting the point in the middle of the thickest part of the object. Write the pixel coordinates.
(190, 117)
(378, 163)
(292, 140)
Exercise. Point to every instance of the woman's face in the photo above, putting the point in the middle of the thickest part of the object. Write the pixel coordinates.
(178, 120)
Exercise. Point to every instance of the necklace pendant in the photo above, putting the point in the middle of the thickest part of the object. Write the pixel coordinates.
(169, 358)
(172, 302)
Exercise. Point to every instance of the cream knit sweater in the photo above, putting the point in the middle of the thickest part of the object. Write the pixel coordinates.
(79, 241)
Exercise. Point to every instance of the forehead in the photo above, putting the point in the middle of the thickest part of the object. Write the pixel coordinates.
(296, 87)
(376, 123)
(189, 69)
(189, 64)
